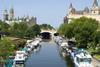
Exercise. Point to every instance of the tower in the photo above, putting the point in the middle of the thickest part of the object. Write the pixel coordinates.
(11, 14)
(86, 10)
(71, 9)
(5, 15)
(95, 8)
(95, 4)
(65, 20)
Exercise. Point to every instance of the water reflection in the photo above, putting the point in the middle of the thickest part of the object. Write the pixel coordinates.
(37, 49)
(66, 56)
(19, 65)
(69, 61)
(46, 40)
(49, 55)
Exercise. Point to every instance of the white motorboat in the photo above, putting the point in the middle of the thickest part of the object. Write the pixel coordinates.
(35, 43)
(64, 44)
(20, 57)
(58, 39)
(29, 41)
(60, 42)
(82, 58)
(29, 48)
(65, 47)
(40, 39)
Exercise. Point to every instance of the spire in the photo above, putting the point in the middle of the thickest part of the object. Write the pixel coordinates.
(71, 6)
(5, 15)
(11, 14)
(71, 9)
(5, 12)
(95, 3)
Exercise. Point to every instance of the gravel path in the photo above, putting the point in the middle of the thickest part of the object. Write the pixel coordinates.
(96, 63)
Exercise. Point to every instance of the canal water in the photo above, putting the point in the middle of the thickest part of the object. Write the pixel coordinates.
(47, 55)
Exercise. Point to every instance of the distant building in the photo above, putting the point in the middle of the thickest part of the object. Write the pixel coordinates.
(65, 19)
(11, 14)
(5, 15)
(9, 17)
(93, 12)
(32, 20)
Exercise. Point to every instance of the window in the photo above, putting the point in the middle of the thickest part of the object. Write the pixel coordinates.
(85, 60)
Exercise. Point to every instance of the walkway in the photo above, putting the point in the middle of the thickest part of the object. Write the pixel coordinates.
(96, 63)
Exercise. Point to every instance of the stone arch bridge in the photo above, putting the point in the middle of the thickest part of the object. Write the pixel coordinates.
(47, 34)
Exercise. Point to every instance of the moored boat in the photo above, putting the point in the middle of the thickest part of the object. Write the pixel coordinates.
(82, 58)
(20, 57)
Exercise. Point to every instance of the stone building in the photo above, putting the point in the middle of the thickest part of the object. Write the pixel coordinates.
(32, 20)
(11, 14)
(93, 12)
(9, 17)
(5, 15)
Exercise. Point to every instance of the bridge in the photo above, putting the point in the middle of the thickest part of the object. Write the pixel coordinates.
(48, 33)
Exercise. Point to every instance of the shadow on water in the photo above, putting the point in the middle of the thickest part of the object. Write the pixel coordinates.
(65, 56)
(69, 61)
(48, 57)
(46, 40)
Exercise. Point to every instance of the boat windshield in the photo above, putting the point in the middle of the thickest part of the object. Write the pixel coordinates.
(85, 60)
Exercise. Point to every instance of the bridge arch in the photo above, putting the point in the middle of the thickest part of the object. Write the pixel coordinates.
(47, 34)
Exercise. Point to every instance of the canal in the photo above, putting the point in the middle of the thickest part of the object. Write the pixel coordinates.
(47, 55)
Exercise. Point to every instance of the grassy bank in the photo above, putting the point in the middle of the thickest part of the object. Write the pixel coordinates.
(94, 52)
(97, 57)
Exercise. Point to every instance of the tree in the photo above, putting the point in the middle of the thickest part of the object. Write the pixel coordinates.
(81, 29)
(6, 49)
(13, 29)
(33, 31)
(36, 30)
(96, 40)
(4, 26)
(19, 29)
(66, 30)
(22, 29)
(46, 27)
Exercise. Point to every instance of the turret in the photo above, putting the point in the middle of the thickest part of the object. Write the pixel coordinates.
(86, 10)
(71, 9)
(65, 19)
(11, 14)
(95, 8)
(95, 4)
(5, 15)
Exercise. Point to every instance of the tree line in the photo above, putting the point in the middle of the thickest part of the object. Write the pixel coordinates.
(22, 30)
(17, 30)
(84, 30)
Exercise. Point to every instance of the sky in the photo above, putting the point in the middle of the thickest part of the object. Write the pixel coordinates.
(47, 11)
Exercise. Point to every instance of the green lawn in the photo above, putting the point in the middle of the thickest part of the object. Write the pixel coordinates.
(97, 57)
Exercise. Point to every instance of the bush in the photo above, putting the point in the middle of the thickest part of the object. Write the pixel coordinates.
(20, 43)
(6, 47)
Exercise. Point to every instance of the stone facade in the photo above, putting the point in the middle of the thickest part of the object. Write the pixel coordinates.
(9, 18)
(94, 12)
